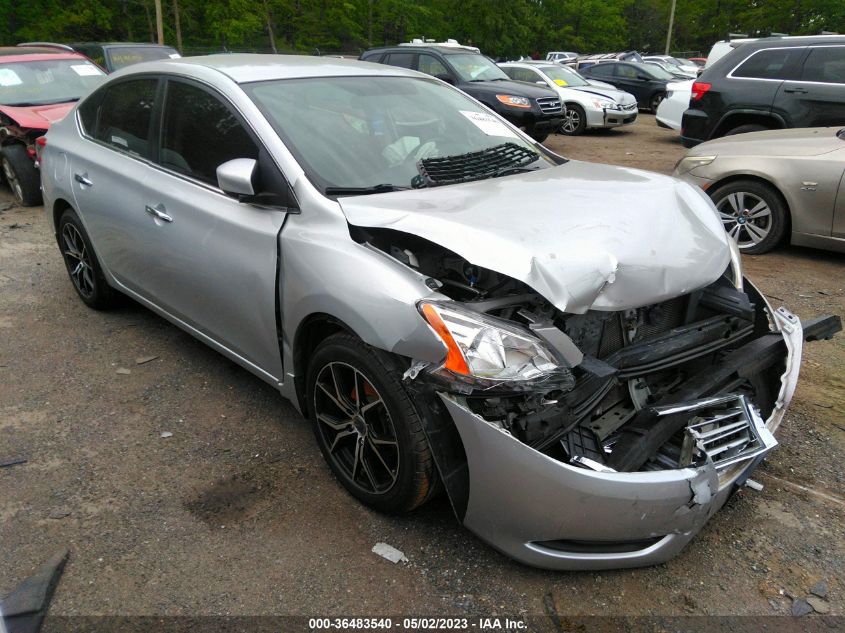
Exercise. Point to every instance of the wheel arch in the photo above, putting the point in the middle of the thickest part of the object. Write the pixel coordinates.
(763, 181)
(734, 119)
(60, 205)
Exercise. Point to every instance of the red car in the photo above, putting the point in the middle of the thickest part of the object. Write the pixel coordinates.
(37, 87)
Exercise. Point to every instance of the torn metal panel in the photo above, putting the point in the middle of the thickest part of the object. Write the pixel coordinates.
(590, 237)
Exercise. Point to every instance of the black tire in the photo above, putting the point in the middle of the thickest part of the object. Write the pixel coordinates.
(655, 101)
(21, 175)
(405, 477)
(539, 137)
(574, 121)
(82, 265)
(757, 231)
(745, 129)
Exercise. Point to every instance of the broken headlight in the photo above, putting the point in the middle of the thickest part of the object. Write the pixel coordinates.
(484, 347)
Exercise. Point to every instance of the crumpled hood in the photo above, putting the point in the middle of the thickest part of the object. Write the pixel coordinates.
(583, 235)
(619, 96)
(37, 117)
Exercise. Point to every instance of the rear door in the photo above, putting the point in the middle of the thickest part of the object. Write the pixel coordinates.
(756, 81)
(111, 170)
(817, 97)
(211, 261)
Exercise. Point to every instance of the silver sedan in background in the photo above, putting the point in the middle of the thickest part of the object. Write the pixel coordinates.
(568, 350)
(775, 186)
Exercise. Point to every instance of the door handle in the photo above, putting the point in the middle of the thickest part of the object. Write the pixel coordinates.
(802, 91)
(83, 179)
(158, 213)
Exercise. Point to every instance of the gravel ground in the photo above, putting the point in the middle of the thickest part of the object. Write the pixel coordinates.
(236, 512)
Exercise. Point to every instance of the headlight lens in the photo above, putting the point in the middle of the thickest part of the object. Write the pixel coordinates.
(604, 103)
(514, 101)
(688, 163)
(484, 347)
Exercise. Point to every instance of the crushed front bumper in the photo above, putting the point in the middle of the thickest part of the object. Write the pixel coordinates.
(553, 515)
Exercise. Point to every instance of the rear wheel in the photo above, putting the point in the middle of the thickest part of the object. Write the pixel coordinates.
(21, 174)
(574, 121)
(367, 426)
(655, 101)
(82, 265)
(753, 214)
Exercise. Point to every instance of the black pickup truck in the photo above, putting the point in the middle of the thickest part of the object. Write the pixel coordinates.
(536, 110)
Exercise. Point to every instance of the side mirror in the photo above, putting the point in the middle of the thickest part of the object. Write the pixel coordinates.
(540, 82)
(237, 177)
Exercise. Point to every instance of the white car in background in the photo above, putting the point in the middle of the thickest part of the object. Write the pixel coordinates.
(587, 106)
(671, 109)
(673, 64)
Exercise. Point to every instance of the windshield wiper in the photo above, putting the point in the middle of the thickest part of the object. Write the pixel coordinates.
(363, 191)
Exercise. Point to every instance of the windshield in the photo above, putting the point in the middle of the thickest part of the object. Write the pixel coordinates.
(46, 81)
(681, 62)
(377, 133)
(563, 76)
(123, 56)
(657, 72)
(473, 67)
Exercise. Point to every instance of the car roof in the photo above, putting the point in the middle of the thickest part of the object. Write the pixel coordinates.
(27, 53)
(249, 67)
(444, 49)
(796, 40)
(116, 44)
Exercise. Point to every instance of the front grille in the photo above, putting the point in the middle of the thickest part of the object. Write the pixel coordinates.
(723, 430)
(549, 105)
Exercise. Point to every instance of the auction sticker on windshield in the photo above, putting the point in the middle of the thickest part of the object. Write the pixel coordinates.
(9, 77)
(85, 70)
(488, 124)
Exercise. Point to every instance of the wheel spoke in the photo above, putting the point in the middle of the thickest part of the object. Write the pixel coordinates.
(734, 232)
(356, 459)
(727, 217)
(367, 470)
(381, 459)
(341, 436)
(756, 234)
(760, 210)
(339, 395)
(370, 405)
(333, 424)
(340, 405)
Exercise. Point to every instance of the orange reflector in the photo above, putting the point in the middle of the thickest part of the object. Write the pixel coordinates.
(455, 360)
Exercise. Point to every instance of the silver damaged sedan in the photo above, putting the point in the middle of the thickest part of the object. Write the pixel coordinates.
(567, 350)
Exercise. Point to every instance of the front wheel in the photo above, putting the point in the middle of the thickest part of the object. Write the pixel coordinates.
(753, 214)
(367, 427)
(574, 121)
(21, 174)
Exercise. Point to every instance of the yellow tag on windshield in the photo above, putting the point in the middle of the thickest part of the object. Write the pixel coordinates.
(561, 82)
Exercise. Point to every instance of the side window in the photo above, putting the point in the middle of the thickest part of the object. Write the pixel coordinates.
(125, 114)
(88, 111)
(825, 64)
(776, 63)
(403, 60)
(430, 65)
(200, 133)
(626, 72)
(524, 74)
(602, 70)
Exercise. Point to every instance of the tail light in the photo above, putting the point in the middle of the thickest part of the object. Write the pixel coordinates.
(40, 142)
(699, 88)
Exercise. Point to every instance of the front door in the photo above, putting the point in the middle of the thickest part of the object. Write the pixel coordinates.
(818, 98)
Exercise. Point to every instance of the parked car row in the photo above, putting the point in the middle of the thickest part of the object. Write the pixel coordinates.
(568, 351)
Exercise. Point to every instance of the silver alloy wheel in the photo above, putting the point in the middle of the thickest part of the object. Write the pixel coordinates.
(78, 260)
(12, 179)
(571, 121)
(355, 425)
(747, 218)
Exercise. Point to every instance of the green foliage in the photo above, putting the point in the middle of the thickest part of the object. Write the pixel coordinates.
(501, 28)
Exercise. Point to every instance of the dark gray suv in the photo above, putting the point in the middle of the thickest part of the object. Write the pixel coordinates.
(770, 83)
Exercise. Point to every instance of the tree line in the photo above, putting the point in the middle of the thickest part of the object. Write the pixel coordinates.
(501, 28)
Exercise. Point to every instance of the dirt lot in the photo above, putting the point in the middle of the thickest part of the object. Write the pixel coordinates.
(237, 513)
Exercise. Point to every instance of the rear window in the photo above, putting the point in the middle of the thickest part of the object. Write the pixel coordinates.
(826, 65)
(777, 63)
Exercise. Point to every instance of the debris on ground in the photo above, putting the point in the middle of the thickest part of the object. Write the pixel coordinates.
(144, 359)
(819, 589)
(12, 461)
(819, 604)
(59, 513)
(800, 607)
(25, 607)
(389, 552)
(166, 434)
(754, 485)
(123, 371)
